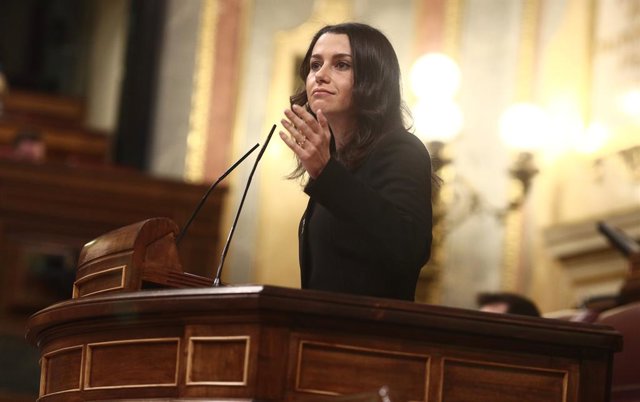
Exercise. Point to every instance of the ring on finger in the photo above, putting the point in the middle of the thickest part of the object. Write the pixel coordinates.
(301, 143)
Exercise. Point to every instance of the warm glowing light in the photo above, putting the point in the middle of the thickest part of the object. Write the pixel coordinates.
(435, 76)
(525, 127)
(630, 103)
(566, 126)
(593, 138)
(437, 121)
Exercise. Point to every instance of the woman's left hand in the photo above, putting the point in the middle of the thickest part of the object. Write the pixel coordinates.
(308, 138)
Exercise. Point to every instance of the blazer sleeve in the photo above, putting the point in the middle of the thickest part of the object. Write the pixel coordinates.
(390, 201)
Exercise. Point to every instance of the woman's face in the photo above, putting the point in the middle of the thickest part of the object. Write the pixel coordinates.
(330, 80)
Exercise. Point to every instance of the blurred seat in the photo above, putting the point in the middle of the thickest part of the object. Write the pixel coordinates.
(626, 364)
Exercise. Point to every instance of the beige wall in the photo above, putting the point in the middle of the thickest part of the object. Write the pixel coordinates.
(575, 189)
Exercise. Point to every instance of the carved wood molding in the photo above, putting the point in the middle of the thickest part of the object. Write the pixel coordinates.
(575, 239)
(585, 255)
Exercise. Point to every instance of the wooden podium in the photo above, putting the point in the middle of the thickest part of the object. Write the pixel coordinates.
(266, 343)
(116, 342)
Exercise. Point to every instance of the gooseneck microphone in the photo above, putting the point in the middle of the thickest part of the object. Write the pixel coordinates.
(216, 280)
(206, 195)
(625, 244)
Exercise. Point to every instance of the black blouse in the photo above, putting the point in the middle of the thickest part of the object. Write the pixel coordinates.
(368, 232)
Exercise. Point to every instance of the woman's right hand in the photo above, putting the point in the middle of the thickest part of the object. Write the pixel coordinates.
(308, 138)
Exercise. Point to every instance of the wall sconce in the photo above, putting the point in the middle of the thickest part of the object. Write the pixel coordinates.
(439, 159)
(435, 80)
(524, 127)
(523, 170)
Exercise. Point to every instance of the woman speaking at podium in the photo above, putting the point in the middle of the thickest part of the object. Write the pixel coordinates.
(367, 226)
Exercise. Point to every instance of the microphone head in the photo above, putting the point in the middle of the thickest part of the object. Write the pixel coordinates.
(266, 142)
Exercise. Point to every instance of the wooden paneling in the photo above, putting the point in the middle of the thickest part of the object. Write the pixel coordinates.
(132, 363)
(107, 280)
(276, 344)
(48, 212)
(481, 381)
(40, 105)
(62, 370)
(218, 360)
(58, 209)
(322, 368)
(60, 120)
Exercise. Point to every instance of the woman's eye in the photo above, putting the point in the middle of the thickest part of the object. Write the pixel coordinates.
(341, 65)
(315, 65)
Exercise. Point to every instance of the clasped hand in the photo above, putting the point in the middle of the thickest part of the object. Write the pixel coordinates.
(308, 138)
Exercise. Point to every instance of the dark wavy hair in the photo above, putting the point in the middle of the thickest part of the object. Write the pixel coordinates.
(377, 97)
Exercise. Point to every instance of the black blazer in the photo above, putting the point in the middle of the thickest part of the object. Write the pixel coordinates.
(368, 232)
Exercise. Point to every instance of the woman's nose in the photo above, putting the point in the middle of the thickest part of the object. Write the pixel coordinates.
(322, 75)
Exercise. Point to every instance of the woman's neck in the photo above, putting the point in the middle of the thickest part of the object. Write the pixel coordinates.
(342, 131)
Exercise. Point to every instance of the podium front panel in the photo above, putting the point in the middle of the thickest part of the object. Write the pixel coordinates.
(263, 343)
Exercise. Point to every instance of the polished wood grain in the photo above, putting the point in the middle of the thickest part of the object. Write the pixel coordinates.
(60, 121)
(68, 207)
(133, 257)
(277, 344)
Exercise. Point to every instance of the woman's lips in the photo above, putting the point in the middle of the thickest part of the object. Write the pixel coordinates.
(321, 92)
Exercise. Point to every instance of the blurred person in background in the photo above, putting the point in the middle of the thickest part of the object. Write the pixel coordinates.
(29, 146)
(506, 303)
